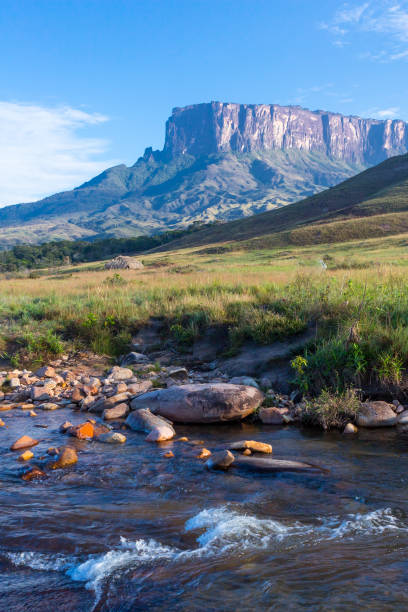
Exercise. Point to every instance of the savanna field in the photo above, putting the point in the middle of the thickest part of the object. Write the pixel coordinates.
(353, 295)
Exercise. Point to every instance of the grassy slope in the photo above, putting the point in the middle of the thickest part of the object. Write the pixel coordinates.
(380, 192)
(263, 295)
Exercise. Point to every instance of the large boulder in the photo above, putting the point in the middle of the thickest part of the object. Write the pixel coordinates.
(201, 403)
(158, 429)
(376, 414)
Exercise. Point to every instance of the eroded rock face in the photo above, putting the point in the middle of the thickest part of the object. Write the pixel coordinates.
(158, 429)
(376, 414)
(201, 403)
(217, 127)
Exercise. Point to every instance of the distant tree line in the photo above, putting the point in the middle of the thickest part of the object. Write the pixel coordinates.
(65, 252)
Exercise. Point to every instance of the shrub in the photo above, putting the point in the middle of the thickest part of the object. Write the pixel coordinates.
(331, 410)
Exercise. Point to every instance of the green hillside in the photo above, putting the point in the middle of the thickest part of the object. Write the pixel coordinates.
(337, 214)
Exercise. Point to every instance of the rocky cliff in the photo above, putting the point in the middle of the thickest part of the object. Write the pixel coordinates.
(219, 162)
(217, 127)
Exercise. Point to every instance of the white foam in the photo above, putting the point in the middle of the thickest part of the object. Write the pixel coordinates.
(97, 568)
(40, 561)
(222, 530)
(225, 529)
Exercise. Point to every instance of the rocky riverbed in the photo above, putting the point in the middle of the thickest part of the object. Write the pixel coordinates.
(100, 513)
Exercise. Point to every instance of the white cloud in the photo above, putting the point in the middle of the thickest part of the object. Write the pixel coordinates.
(383, 17)
(42, 153)
(383, 113)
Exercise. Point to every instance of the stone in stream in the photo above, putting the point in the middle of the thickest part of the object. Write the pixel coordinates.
(271, 416)
(220, 460)
(376, 414)
(201, 403)
(83, 431)
(112, 437)
(24, 442)
(204, 453)
(350, 429)
(2, 423)
(117, 412)
(33, 473)
(65, 426)
(264, 464)
(26, 456)
(253, 445)
(108, 402)
(48, 406)
(67, 456)
(403, 418)
(159, 429)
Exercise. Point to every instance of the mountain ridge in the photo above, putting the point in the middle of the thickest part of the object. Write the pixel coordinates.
(220, 161)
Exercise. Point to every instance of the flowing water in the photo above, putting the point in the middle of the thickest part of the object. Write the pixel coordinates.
(128, 529)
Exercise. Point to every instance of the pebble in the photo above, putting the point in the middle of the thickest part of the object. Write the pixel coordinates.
(26, 456)
(204, 453)
(169, 455)
(23, 442)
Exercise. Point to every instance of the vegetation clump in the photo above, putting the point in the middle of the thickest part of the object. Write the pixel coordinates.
(331, 410)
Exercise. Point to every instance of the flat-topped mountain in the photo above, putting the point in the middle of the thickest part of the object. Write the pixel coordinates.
(219, 162)
(217, 127)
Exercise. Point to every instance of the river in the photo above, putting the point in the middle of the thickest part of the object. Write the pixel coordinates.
(129, 529)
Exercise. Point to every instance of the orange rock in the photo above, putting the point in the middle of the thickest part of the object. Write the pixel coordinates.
(182, 439)
(24, 442)
(2, 423)
(27, 406)
(32, 413)
(82, 431)
(26, 456)
(33, 473)
(247, 452)
(66, 457)
(169, 455)
(204, 453)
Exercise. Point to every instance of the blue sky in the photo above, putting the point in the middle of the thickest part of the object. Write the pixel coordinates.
(86, 84)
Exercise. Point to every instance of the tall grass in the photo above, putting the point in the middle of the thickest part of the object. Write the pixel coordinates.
(251, 298)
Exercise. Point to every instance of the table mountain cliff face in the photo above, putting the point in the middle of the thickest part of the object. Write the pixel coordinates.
(203, 129)
(219, 162)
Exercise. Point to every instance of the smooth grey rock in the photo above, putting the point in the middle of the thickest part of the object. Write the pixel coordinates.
(220, 460)
(159, 429)
(116, 412)
(376, 414)
(403, 418)
(112, 437)
(264, 464)
(108, 402)
(201, 403)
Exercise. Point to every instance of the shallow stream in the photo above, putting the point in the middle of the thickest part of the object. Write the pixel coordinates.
(128, 529)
